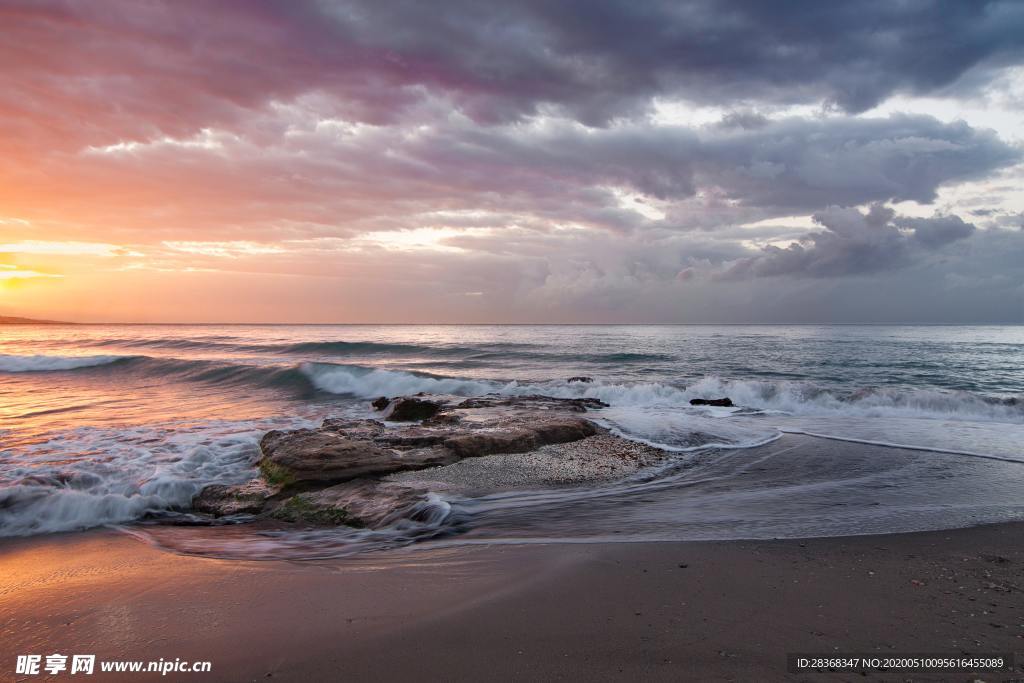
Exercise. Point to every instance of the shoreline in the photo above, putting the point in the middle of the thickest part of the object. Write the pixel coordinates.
(658, 610)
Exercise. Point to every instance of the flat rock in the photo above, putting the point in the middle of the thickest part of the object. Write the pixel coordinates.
(519, 440)
(362, 503)
(322, 455)
(531, 404)
(220, 500)
(335, 474)
(315, 466)
(413, 437)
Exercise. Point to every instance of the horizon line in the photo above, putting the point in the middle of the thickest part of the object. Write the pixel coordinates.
(30, 322)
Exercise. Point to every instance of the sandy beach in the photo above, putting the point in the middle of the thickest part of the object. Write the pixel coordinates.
(629, 611)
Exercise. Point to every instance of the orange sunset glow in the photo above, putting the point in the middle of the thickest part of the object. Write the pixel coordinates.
(254, 162)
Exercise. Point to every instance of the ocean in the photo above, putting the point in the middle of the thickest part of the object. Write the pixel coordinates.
(916, 427)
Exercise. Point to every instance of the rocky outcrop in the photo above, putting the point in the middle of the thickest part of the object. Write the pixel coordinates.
(362, 503)
(220, 500)
(580, 378)
(333, 474)
(719, 402)
(367, 430)
(319, 455)
(413, 438)
(532, 404)
(332, 455)
(380, 403)
(476, 444)
(563, 431)
(300, 509)
(443, 419)
(410, 409)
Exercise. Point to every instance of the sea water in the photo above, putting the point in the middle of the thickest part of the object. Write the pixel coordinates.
(117, 424)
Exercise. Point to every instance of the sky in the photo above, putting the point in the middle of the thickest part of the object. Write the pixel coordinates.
(472, 161)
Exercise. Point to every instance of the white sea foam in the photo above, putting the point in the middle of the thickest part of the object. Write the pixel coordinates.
(91, 476)
(804, 398)
(797, 398)
(682, 430)
(60, 484)
(426, 519)
(794, 398)
(660, 414)
(40, 363)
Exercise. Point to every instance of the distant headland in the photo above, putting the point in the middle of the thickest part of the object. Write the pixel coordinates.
(13, 320)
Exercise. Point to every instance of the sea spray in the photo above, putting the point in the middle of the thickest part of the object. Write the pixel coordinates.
(88, 477)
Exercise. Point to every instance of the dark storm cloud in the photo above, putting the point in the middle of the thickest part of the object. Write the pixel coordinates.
(938, 231)
(138, 69)
(805, 164)
(385, 178)
(599, 59)
(854, 243)
(782, 166)
(263, 76)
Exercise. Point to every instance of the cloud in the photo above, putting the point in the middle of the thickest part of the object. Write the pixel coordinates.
(170, 68)
(313, 180)
(938, 231)
(10, 273)
(262, 121)
(66, 248)
(804, 164)
(854, 243)
(794, 163)
(484, 160)
(224, 249)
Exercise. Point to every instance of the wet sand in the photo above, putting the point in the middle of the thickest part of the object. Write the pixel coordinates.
(642, 611)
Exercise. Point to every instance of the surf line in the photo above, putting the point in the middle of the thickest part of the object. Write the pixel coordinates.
(886, 444)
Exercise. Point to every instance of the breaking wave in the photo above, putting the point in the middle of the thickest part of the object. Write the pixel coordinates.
(363, 382)
(327, 347)
(800, 398)
(54, 485)
(41, 363)
(89, 476)
(795, 398)
(493, 351)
